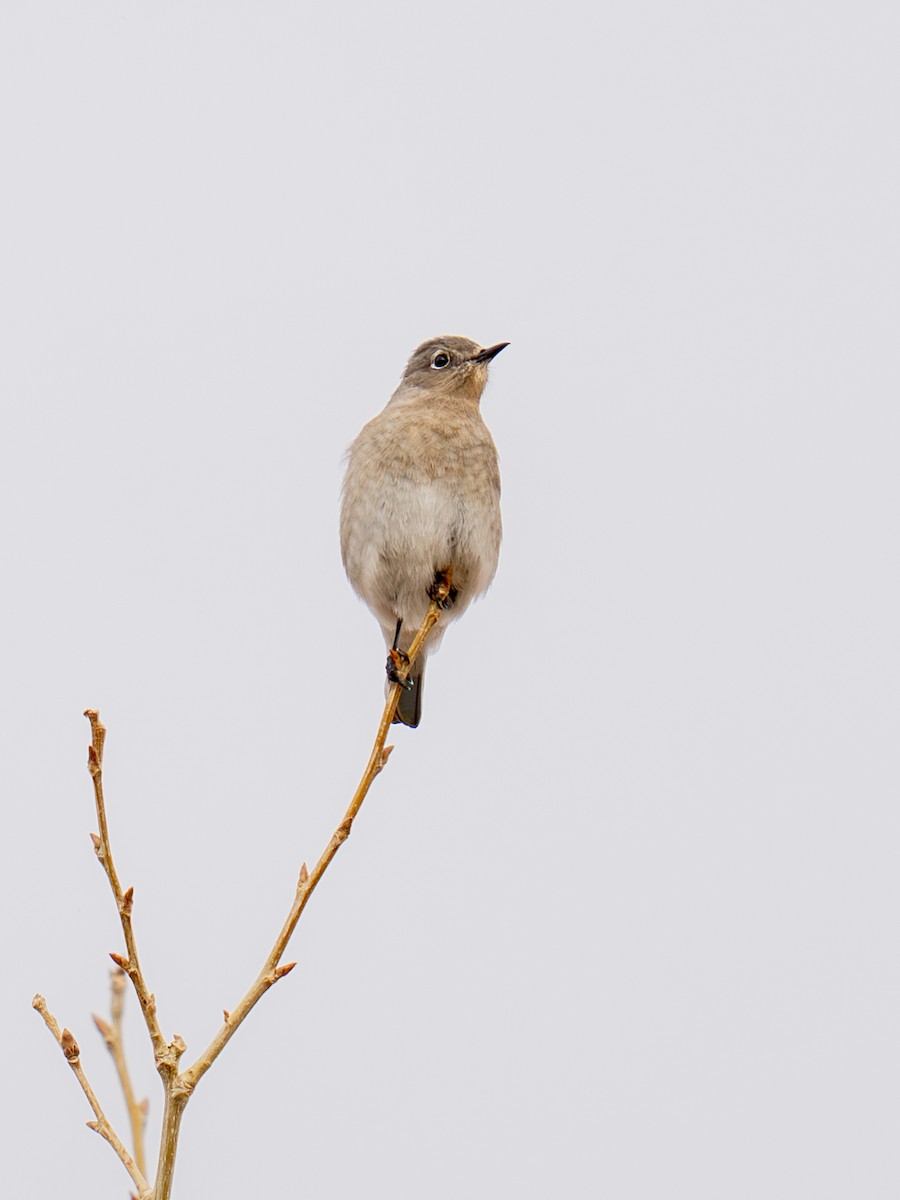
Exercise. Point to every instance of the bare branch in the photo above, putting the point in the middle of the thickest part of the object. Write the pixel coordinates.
(307, 882)
(178, 1087)
(101, 1125)
(112, 1035)
(124, 900)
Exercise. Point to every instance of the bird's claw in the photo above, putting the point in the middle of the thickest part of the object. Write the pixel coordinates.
(442, 591)
(396, 660)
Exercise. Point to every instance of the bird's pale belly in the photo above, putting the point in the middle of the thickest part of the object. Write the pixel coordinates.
(419, 530)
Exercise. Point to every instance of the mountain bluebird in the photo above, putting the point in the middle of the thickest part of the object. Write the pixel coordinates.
(421, 501)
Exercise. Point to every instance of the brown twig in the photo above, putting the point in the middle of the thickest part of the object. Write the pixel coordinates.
(306, 884)
(112, 1035)
(101, 1125)
(130, 964)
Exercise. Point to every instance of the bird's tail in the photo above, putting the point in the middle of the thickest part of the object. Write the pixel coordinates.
(409, 708)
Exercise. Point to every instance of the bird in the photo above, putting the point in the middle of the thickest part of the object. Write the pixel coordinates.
(420, 504)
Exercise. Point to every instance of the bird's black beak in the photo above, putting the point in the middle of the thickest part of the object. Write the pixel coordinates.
(485, 356)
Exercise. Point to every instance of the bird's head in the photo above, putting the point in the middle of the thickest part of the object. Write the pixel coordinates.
(450, 366)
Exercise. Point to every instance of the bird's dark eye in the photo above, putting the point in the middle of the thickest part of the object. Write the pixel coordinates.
(440, 361)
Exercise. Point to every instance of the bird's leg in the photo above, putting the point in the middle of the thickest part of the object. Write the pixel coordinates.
(442, 591)
(396, 659)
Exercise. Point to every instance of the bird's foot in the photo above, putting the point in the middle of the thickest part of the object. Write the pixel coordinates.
(397, 660)
(442, 591)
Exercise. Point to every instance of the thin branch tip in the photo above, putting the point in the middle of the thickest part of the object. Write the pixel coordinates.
(98, 737)
(98, 729)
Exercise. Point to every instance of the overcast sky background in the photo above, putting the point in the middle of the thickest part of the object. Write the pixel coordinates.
(621, 917)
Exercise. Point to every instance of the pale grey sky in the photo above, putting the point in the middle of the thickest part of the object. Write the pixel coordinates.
(621, 917)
